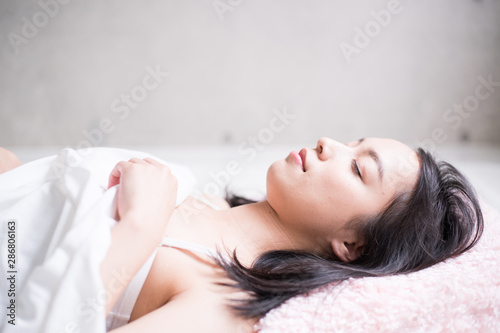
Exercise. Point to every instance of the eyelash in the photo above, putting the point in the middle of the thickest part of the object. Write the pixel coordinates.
(356, 168)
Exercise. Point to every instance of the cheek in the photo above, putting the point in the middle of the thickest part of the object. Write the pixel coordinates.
(339, 195)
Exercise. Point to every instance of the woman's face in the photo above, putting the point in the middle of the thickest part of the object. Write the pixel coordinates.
(319, 191)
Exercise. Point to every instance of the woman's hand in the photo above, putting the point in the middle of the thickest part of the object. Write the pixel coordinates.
(145, 201)
(147, 193)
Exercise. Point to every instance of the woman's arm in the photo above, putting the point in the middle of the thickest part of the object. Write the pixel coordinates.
(196, 310)
(8, 160)
(145, 201)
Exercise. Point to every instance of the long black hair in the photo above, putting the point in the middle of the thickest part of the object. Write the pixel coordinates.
(439, 219)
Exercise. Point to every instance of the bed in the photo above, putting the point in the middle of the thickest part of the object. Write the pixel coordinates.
(460, 295)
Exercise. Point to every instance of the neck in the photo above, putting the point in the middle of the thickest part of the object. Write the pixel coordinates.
(254, 229)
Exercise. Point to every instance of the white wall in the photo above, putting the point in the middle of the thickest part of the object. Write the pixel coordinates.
(229, 73)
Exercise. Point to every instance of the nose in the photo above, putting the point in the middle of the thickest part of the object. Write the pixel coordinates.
(327, 148)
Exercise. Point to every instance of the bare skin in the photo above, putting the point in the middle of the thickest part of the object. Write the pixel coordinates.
(309, 207)
(8, 160)
(181, 284)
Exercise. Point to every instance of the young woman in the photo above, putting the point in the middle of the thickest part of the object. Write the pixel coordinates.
(372, 207)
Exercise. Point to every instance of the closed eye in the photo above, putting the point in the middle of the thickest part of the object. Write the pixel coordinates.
(356, 169)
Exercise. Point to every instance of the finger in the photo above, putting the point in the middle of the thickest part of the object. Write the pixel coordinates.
(114, 176)
(136, 160)
(152, 161)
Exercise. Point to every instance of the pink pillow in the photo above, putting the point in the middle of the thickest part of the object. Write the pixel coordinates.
(460, 295)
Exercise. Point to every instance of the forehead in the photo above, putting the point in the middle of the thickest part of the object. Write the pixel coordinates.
(400, 162)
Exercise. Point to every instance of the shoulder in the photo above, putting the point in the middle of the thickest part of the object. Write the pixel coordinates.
(177, 271)
(8, 160)
(192, 298)
(174, 272)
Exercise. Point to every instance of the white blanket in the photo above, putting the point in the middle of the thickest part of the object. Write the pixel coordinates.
(60, 214)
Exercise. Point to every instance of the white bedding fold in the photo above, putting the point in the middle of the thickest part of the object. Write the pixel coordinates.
(63, 216)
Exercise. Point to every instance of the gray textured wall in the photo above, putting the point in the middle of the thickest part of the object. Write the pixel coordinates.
(79, 72)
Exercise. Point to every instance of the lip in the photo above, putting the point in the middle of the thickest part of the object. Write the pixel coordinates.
(302, 154)
(296, 156)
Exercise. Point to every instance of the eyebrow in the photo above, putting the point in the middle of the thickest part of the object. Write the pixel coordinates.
(374, 155)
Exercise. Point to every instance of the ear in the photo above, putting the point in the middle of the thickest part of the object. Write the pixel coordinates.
(346, 251)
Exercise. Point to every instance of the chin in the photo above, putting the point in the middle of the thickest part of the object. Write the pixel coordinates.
(273, 182)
